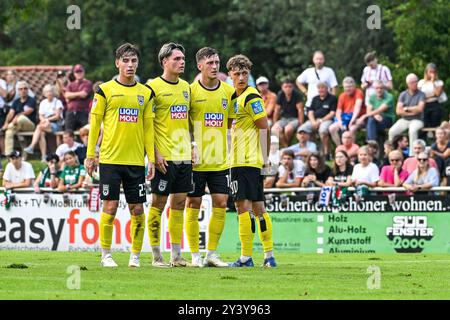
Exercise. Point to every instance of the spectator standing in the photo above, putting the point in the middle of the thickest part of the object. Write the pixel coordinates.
(432, 87)
(50, 116)
(289, 113)
(321, 114)
(424, 177)
(374, 71)
(350, 107)
(269, 97)
(78, 95)
(393, 175)
(411, 163)
(73, 174)
(49, 176)
(349, 146)
(410, 106)
(69, 144)
(341, 174)
(21, 117)
(313, 75)
(365, 172)
(18, 173)
(380, 112)
(290, 171)
(304, 147)
(440, 150)
(317, 172)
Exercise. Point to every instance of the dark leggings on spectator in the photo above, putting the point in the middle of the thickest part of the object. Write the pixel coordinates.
(433, 114)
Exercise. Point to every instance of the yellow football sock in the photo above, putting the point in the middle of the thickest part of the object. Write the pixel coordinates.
(246, 233)
(215, 227)
(175, 225)
(137, 232)
(154, 226)
(106, 230)
(192, 228)
(265, 231)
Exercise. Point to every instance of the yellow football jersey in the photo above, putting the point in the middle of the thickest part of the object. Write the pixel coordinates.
(209, 114)
(123, 109)
(171, 107)
(246, 148)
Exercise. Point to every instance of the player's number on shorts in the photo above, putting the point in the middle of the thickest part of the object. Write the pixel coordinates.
(141, 190)
(234, 187)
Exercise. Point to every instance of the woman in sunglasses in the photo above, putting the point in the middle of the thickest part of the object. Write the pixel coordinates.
(424, 177)
(393, 175)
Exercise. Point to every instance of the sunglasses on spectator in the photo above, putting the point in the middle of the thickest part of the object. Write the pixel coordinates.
(24, 88)
(422, 159)
(394, 160)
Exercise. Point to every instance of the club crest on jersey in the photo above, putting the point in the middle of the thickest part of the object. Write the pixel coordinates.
(178, 112)
(140, 100)
(128, 115)
(105, 189)
(162, 185)
(224, 104)
(257, 107)
(213, 119)
(186, 95)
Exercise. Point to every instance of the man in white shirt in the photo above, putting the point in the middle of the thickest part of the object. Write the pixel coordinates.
(314, 75)
(18, 173)
(374, 71)
(290, 171)
(69, 144)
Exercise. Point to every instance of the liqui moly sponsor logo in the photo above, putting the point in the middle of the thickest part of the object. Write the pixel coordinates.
(178, 112)
(128, 115)
(213, 119)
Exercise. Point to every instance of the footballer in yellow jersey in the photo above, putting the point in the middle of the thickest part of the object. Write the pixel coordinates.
(173, 158)
(250, 141)
(211, 115)
(125, 109)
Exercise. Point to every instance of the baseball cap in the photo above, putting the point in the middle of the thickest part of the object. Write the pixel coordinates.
(78, 67)
(307, 130)
(262, 80)
(13, 154)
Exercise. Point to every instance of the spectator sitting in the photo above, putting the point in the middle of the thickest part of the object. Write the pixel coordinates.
(274, 153)
(365, 172)
(372, 73)
(410, 105)
(304, 147)
(318, 73)
(49, 176)
(321, 114)
(341, 174)
(78, 95)
(401, 143)
(290, 171)
(432, 87)
(440, 150)
(379, 114)
(317, 172)
(50, 115)
(349, 147)
(374, 153)
(69, 145)
(289, 113)
(393, 175)
(18, 173)
(411, 163)
(12, 90)
(269, 97)
(21, 117)
(350, 107)
(424, 177)
(73, 174)
(4, 109)
(387, 149)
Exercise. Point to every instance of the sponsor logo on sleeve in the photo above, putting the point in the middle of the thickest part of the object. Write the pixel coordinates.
(213, 120)
(257, 107)
(94, 103)
(178, 112)
(128, 115)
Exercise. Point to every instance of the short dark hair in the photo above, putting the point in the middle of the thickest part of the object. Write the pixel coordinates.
(126, 48)
(289, 153)
(397, 139)
(370, 56)
(239, 62)
(204, 53)
(69, 133)
(167, 49)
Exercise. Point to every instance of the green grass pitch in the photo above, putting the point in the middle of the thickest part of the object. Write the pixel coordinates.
(299, 276)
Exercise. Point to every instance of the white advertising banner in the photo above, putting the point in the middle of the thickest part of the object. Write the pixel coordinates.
(65, 223)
